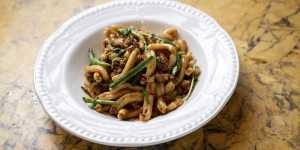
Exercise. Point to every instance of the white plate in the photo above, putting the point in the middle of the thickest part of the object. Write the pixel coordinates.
(58, 72)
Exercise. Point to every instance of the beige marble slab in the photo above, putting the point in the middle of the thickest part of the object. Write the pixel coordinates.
(263, 114)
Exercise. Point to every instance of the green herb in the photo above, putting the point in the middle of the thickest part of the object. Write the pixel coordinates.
(193, 83)
(178, 64)
(159, 38)
(145, 47)
(96, 61)
(91, 105)
(93, 102)
(158, 62)
(125, 31)
(135, 81)
(146, 96)
(141, 37)
(105, 102)
(132, 73)
(137, 34)
(164, 40)
(119, 51)
(87, 100)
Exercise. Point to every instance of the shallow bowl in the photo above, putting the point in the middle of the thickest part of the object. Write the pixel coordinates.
(58, 72)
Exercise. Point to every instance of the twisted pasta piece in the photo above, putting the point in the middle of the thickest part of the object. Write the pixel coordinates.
(97, 77)
(91, 88)
(120, 91)
(129, 98)
(111, 29)
(110, 95)
(161, 105)
(173, 105)
(160, 89)
(165, 48)
(97, 68)
(170, 33)
(164, 108)
(127, 114)
(181, 44)
(170, 87)
(129, 64)
(147, 108)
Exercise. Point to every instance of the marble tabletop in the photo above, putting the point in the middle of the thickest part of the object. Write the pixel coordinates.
(263, 114)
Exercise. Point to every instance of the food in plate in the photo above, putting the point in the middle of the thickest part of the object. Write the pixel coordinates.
(139, 75)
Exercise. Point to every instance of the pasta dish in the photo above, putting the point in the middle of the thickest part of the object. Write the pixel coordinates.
(139, 75)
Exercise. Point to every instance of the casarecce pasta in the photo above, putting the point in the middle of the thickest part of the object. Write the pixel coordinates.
(140, 74)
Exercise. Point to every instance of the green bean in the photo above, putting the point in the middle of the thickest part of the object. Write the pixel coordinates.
(119, 51)
(159, 38)
(87, 100)
(125, 31)
(177, 67)
(105, 102)
(194, 80)
(95, 61)
(132, 73)
(92, 102)
(145, 93)
(91, 105)
(164, 40)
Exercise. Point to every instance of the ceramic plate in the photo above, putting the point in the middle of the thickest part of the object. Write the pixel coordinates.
(58, 72)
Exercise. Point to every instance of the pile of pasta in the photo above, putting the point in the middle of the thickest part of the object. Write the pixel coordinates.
(139, 75)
